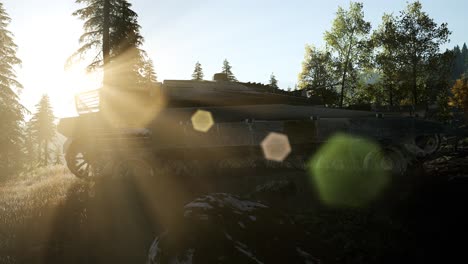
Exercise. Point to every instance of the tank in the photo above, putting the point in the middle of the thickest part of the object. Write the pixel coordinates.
(217, 120)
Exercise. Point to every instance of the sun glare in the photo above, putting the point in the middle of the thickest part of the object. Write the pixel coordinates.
(79, 80)
(74, 80)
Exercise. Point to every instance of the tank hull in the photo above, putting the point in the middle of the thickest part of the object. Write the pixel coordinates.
(249, 125)
(240, 120)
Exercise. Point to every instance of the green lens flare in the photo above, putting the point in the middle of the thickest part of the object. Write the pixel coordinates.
(342, 173)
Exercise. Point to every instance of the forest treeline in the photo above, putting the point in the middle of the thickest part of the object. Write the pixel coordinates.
(399, 62)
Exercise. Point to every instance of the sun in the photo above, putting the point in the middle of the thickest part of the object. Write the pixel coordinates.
(78, 79)
(73, 81)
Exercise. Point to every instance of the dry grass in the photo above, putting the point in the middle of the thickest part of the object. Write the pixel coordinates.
(26, 203)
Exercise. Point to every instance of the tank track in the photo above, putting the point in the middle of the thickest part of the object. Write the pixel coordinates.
(402, 156)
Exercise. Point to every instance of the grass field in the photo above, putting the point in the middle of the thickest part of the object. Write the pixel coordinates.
(27, 207)
(50, 216)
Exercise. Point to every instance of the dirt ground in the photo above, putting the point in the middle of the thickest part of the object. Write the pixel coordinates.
(420, 216)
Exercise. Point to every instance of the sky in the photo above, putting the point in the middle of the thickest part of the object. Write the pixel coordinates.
(257, 37)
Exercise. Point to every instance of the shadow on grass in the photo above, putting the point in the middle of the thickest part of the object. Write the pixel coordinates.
(113, 220)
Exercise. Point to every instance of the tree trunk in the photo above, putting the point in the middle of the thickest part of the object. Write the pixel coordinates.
(46, 153)
(105, 54)
(390, 91)
(39, 152)
(106, 37)
(342, 85)
(415, 83)
(345, 70)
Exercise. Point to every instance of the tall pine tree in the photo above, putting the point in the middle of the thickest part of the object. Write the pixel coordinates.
(273, 82)
(458, 63)
(30, 147)
(149, 77)
(43, 129)
(227, 70)
(197, 74)
(11, 111)
(464, 55)
(112, 36)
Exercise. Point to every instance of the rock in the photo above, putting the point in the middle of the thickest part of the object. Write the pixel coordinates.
(450, 167)
(223, 228)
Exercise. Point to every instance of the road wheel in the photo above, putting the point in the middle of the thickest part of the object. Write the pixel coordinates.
(429, 144)
(390, 159)
(82, 160)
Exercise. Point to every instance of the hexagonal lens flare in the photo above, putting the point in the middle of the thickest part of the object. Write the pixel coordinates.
(276, 147)
(349, 171)
(202, 120)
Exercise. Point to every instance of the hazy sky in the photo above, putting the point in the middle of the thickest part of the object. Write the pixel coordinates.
(258, 37)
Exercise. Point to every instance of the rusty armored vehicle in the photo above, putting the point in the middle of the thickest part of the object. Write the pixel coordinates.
(233, 120)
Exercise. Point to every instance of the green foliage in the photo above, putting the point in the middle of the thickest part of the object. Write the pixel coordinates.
(400, 63)
(126, 60)
(386, 61)
(460, 63)
(197, 72)
(227, 70)
(43, 129)
(368, 89)
(11, 111)
(408, 57)
(273, 82)
(438, 83)
(464, 55)
(148, 74)
(317, 75)
(348, 41)
(418, 41)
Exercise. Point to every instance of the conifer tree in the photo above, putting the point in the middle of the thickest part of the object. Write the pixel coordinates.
(273, 82)
(112, 36)
(464, 55)
(458, 63)
(197, 74)
(149, 77)
(11, 111)
(57, 160)
(30, 147)
(43, 129)
(227, 70)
